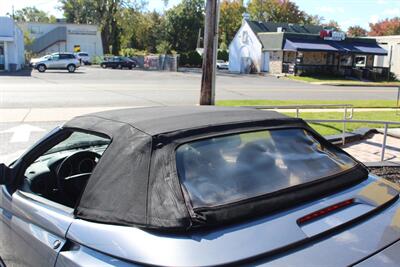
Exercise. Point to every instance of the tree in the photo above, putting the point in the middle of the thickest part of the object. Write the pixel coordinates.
(182, 24)
(385, 27)
(105, 13)
(332, 25)
(357, 31)
(32, 14)
(231, 12)
(314, 19)
(277, 11)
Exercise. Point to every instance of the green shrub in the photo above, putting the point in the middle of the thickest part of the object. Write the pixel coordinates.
(129, 52)
(164, 47)
(96, 60)
(190, 59)
(223, 55)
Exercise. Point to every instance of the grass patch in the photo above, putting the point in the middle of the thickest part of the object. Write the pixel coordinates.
(322, 78)
(339, 81)
(355, 103)
(336, 128)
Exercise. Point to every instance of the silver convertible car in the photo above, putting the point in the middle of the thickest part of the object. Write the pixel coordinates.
(194, 186)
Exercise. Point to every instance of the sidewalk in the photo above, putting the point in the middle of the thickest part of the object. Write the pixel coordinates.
(369, 150)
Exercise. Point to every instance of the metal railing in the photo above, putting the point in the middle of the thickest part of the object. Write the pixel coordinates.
(346, 119)
(297, 108)
(385, 131)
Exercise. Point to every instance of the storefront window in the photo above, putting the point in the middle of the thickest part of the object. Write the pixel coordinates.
(360, 61)
(345, 60)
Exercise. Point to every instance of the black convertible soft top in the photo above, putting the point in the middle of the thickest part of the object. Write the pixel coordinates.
(136, 181)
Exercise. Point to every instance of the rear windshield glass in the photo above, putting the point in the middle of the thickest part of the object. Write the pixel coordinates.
(227, 169)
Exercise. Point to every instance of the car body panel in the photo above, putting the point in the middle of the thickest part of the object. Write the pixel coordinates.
(389, 257)
(83, 256)
(32, 229)
(266, 235)
(83, 57)
(222, 64)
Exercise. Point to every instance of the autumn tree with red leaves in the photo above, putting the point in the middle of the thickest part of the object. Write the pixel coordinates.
(385, 27)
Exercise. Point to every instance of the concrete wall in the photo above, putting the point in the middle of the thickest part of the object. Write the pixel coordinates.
(245, 50)
(12, 39)
(392, 45)
(88, 37)
(275, 62)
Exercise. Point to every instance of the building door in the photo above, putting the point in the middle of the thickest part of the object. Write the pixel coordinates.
(265, 62)
(2, 56)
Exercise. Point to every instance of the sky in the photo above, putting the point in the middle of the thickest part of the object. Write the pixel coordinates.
(346, 12)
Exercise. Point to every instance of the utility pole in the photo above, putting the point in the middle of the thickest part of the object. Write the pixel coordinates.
(207, 95)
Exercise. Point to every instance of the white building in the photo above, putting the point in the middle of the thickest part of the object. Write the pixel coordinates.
(258, 45)
(392, 60)
(63, 37)
(297, 49)
(12, 54)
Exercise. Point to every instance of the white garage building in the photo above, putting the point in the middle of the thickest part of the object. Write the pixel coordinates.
(63, 37)
(12, 54)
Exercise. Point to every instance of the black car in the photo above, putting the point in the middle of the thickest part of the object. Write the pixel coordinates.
(118, 63)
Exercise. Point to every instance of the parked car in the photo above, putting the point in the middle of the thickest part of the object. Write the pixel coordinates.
(222, 65)
(118, 63)
(84, 58)
(58, 61)
(34, 60)
(194, 186)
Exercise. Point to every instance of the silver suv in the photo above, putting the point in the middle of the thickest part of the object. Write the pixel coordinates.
(63, 61)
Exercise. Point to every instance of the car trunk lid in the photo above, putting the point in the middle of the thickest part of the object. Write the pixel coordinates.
(355, 231)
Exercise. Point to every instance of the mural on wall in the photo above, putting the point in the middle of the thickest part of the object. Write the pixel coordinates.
(161, 62)
(151, 62)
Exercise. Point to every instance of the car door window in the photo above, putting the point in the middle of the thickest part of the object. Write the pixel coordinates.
(55, 57)
(61, 173)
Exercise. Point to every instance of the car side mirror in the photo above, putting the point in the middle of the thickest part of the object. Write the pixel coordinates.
(5, 174)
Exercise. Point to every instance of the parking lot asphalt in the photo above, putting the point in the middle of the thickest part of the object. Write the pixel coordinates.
(96, 87)
(16, 137)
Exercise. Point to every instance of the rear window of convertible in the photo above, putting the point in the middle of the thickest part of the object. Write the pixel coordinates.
(222, 170)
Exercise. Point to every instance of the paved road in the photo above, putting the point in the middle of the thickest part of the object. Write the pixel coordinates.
(91, 87)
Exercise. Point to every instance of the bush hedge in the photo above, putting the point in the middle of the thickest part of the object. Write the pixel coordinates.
(223, 55)
(190, 59)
